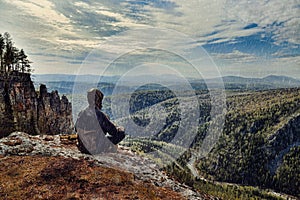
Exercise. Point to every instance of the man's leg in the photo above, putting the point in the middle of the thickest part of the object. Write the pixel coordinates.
(117, 138)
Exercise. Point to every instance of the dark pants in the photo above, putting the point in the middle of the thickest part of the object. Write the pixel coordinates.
(117, 138)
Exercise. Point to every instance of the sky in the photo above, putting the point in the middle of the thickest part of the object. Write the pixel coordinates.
(243, 38)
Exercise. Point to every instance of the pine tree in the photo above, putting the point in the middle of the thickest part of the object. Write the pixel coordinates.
(15, 59)
(2, 46)
(11, 58)
(8, 54)
(23, 60)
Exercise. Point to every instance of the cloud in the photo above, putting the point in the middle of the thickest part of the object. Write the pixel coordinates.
(234, 32)
(39, 24)
(235, 57)
(284, 59)
(249, 65)
(45, 11)
(278, 17)
(198, 19)
(225, 20)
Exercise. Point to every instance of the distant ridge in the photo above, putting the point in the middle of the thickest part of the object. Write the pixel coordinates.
(72, 78)
(276, 78)
(91, 77)
(64, 83)
(268, 82)
(267, 78)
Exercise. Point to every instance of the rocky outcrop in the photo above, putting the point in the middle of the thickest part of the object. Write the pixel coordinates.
(54, 114)
(23, 109)
(143, 169)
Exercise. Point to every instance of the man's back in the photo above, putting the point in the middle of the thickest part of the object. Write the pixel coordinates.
(91, 136)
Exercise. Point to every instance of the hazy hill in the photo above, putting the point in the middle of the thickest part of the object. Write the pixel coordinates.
(268, 82)
(71, 78)
(64, 83)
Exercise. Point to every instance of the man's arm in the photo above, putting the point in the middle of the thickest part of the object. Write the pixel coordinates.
(106, 124)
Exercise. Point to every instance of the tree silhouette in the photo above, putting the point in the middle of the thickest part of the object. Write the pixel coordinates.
(15, 58)
(22, 57)
(8, 54)
(2, 45)
(12, 59)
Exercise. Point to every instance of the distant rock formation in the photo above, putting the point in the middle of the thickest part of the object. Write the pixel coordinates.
(24, 109)
(54, 114)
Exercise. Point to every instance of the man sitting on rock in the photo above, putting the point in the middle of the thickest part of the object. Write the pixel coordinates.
(96, 133)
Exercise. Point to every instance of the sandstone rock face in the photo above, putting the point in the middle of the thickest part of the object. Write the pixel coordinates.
(23, 109)
(54, 114)
(6, 115)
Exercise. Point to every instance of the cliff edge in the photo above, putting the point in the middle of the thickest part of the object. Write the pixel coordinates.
(51, 167)
(22, 108)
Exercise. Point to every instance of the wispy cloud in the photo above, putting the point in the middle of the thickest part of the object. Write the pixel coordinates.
(278, 17)
(235, 33)
(44, 11)
(236, 57)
